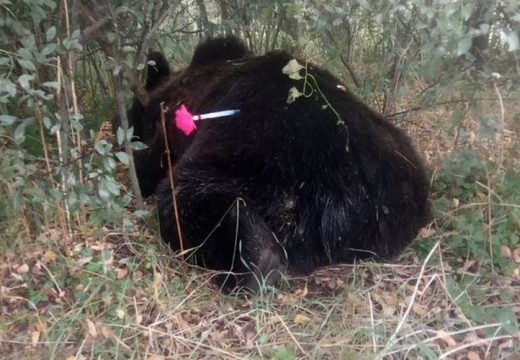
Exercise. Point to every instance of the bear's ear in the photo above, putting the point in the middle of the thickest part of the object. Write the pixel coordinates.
(158, 72)
(219, 49)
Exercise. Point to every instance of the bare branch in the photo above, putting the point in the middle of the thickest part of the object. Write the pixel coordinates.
(344, 61)
(164, 13)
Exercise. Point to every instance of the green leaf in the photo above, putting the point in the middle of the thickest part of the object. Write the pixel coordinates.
(25, 54)
(19, 133)
(467, 10)
(103, 192)
(120, 135)
(112, 186)
(7, 120)
(141, 213)
(102, 147)
(52, 84)
(109, 164)
(24, 81)
(8, 87)
(116, 70)
(464, 46)
(138, 145)
(130, 133)
(27, 64)
(38, 14)
(129, 49)
(512, 40)
(29, 42)
(111, 37)
(50, 33)
(283, 353)
(507, 318)
(48, 49)
(123, 157)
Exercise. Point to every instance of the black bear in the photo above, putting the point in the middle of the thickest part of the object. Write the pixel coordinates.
(303, 176)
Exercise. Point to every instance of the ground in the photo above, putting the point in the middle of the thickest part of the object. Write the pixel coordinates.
(120, 293)
(117, 297)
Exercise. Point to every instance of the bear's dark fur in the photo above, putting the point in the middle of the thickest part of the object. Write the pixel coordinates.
(300, 185)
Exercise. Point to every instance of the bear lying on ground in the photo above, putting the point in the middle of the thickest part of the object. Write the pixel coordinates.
(295, 183)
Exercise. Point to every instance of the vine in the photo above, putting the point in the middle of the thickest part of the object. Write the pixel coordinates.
(310, 85)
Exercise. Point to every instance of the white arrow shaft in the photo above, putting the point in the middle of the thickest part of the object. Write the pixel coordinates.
(216, 114)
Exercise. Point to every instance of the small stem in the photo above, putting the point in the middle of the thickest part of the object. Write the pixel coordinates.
(121, 108)
(170, 178)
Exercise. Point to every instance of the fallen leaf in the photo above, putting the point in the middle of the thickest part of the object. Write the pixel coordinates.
(121, 273)
(446, 337)
(98, 246)
(426, 232)
(79, 287)
(469, 263)
(301, 292)
(35, 337)
(156, 284)
(297, 295)
(107, 332)
(49, 256)
(516, 255)
(155, 357)
(301, 319)
(91, 328)
(505, 251)
(17, 277)
(138, 275)
(109, 261)
(472, 355)
(419, 309)
(83, 261)
(389, 304)
(22, 269)
(120, 313)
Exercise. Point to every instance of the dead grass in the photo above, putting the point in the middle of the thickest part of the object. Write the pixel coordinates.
(117, 297)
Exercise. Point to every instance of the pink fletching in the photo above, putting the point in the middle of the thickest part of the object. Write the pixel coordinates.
(184, 120)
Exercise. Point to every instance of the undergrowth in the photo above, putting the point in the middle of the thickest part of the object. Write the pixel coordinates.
(83, 273)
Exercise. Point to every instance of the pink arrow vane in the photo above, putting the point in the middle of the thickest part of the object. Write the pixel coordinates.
(185, 121)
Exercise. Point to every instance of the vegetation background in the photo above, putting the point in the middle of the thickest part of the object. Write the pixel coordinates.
(82, 272)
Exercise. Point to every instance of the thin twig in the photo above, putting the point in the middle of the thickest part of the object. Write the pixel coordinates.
(170, 177)
(474, 343)
(290, 333)
(121, 107)
(374, 342)
(439, 335)
(392, 339)
(60, 291)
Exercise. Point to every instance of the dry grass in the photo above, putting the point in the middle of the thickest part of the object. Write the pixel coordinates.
(124, 300)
